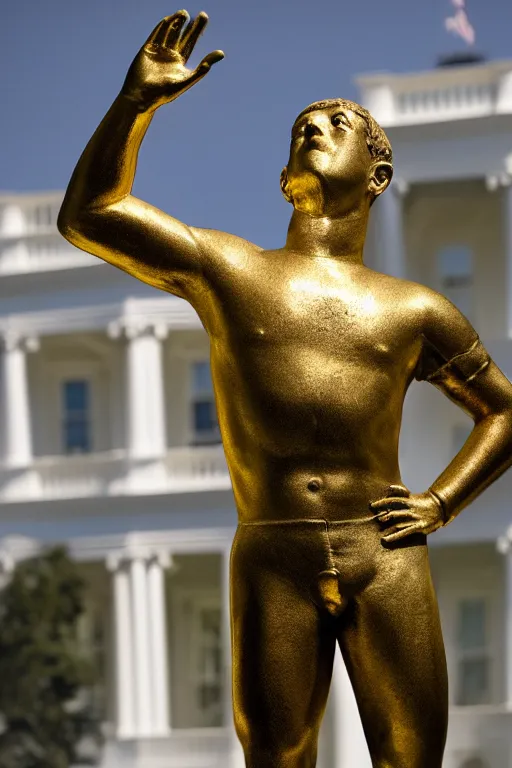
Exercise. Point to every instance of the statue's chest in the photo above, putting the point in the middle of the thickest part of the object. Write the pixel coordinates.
(304, 308)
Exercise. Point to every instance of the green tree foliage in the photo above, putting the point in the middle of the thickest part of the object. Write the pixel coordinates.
(43, 670)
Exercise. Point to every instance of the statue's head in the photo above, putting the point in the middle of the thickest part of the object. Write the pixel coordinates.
(339, 157)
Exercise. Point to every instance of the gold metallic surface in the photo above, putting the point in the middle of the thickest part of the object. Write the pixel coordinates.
(312, 354)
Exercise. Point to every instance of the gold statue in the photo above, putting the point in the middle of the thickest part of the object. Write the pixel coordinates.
(312, 353)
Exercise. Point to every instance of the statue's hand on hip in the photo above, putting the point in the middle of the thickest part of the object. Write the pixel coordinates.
(403, 513)
(158, 73)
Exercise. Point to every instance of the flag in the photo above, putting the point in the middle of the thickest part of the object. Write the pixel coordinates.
(459, 24)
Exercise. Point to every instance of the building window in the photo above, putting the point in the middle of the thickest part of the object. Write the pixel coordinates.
(207, 666)
(76, 425)
(205, 427)
(474, 663)
(455, 269)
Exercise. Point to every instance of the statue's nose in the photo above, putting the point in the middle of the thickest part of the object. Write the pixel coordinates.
(312, 129)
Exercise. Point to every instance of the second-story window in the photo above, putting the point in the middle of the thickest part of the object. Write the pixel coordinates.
(455, 268)
(473, 652)
(76, 422)
(207, 671)
(205, 427)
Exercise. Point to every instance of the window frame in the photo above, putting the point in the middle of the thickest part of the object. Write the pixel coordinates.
(455, 656)
(75, 370)
(442, 278)
(186, 604)
(193, 436)
(67, 416)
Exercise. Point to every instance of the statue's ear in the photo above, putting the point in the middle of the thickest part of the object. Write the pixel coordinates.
(284, 185)
(380, 178)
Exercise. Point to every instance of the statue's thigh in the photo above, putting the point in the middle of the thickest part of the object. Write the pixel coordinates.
(282, 664)
(393, 649)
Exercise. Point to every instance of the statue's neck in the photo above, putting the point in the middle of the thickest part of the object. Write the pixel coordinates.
(341, 238)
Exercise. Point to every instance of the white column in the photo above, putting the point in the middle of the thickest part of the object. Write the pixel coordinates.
(125, 698)
(505, 548)
(145, 388)
(389, 239)
(158, 644)
(508, 629)
(507, 212)
(350, 748)
(15, 411)
(12, 220)
(141, 646)
(236, 754)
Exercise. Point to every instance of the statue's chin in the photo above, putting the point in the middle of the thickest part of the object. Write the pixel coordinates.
(308, 195)
(310, 207)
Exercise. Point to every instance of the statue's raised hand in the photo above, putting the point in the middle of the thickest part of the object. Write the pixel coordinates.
(158, 73)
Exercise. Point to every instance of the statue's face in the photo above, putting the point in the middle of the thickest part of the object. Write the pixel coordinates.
(330, 166)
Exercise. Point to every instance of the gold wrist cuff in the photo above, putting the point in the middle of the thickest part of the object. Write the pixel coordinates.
(442, 504)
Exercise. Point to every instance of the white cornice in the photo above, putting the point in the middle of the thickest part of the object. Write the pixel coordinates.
(442, 94)
(151, 543)
(31, 198)
(171, 312)
(437, 75)
(123, 547)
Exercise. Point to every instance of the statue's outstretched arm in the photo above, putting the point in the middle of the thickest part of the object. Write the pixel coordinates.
(99, 214)
(456, 362)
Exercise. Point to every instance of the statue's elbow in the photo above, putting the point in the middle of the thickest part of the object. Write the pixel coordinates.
(504, 418)
(67, 223)
(73, 224)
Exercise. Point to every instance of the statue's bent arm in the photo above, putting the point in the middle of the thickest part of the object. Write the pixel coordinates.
(468, 376)
(99, 214)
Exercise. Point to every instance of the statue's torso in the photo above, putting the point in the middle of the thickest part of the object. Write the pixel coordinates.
(311, 359)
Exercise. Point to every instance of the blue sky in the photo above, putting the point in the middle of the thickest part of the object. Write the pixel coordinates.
(213, 157)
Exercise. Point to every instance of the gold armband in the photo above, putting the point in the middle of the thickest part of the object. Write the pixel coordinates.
(442, 505)
(463, 367)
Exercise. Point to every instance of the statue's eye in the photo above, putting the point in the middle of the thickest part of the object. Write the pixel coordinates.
(338, 121)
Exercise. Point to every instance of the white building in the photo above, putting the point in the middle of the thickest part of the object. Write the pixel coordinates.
(110, 443)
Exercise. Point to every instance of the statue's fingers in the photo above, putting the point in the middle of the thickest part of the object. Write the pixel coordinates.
(398, 515)
(212, 58)
(401, 532)
(203, 68)
(192, 35)
(174, 28)
(158, 34)
(398, 490)
(383, 505)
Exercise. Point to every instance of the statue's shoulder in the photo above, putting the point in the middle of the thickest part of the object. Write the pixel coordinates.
(405, 294)
(218, 246)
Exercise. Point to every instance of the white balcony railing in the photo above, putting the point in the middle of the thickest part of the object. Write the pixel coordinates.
(29, 240)
(113, 473)
(78, 476)
(482, 732)
(474, 732)
(199, 465)
(187, 748)
(446, 93)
